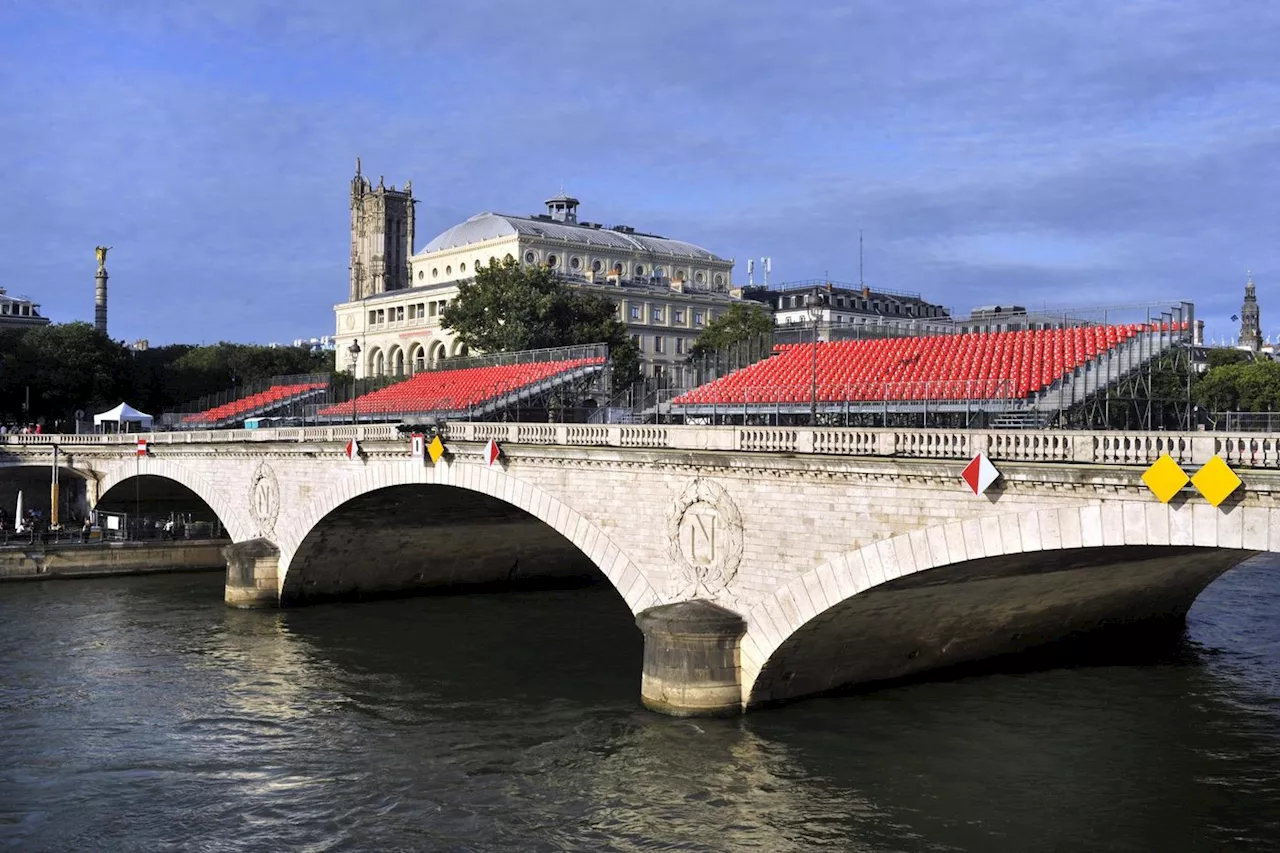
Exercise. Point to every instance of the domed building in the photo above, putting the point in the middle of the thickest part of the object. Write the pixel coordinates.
(666, 290)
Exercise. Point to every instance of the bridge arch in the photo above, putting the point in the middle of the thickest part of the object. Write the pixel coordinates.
(234, 520)
(476, 478)
(1025, 572)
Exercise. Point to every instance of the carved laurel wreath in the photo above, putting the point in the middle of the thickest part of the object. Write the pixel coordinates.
(264, 478)
(712, 579)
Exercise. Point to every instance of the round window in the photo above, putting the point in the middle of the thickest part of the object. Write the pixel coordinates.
(639, 269)
(596, 265)
(575, 262)
(681, 274)
(476, 266)
(719, 278)
(698, 278)
(435, 272)
(448, 270)
(530, 257)
(420, 275)
(552, 260)
(617, 267)
(462, 267)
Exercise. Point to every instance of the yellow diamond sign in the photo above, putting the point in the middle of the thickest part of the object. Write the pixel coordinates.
(435, 449)
(1216, 481)
(1164, 478)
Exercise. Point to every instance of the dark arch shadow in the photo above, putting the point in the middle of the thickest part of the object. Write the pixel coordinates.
(419, 538)
(156, 499)
(975, 614)
(33, 481)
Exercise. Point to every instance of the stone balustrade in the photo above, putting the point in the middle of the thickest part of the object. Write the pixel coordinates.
(1249, 450)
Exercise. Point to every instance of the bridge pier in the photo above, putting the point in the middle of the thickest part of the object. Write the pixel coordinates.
(691, 659)
(252, 574)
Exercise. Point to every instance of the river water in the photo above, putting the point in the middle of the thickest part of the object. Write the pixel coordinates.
(142, 714)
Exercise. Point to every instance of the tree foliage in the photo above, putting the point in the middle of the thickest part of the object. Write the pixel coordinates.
(741, 322)
(510, 307)
(67, 367)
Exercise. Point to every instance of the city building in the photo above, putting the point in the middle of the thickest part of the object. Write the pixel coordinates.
(666, 290)
(18, 312)
(842, 310)
(1250, 319)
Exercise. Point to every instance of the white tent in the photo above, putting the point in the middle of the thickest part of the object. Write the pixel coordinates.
(123, 415)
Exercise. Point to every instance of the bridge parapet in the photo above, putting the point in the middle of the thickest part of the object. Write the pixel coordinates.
(1115, 447)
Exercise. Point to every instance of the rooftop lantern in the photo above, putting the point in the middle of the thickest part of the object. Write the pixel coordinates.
(563, 208)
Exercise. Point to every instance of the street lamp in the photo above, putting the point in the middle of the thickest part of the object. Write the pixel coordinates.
(815, 313)
(353, 356)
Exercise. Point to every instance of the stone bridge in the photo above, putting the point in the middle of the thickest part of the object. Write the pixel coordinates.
(762, 563)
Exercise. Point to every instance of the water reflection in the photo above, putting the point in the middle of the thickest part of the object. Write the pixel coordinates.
(141, 713)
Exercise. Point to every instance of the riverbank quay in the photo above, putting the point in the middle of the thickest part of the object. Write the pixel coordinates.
(68, 560)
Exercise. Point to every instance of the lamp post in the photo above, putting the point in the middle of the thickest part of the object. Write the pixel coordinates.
(353, 356)
(815, 313)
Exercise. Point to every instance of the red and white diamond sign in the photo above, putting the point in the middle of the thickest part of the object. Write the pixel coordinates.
(142, 447)
(492, 451)
(979, 474)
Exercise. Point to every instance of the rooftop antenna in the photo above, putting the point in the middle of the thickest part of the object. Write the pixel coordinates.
(768, 268)
(860, 283)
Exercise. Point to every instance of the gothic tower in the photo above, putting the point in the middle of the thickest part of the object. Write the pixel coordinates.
(1250, 322)
(381, 236)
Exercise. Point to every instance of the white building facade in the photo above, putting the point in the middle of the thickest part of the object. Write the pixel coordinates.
(666, 290)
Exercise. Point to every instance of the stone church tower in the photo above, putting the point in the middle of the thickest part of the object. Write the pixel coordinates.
(1250, 322)
(381, 236)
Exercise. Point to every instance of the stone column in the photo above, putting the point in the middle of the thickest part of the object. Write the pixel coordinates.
(691, 664)
(100, 301)
(252, 574)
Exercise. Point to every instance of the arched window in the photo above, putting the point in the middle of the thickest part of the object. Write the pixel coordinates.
(530, 257)
(576, 263)
(552, 261)
(596, 265)
(397, 362)
(377, 363)
(419, 358)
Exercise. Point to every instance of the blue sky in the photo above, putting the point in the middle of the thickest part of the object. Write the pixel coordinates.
(1048, 153)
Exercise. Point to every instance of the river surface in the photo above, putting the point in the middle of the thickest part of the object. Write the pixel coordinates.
(142, 714)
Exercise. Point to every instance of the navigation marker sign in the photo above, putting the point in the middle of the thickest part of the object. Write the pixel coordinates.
(435, 449)
(353, 449)
(492, 451)
(979, 474)
(142, 447)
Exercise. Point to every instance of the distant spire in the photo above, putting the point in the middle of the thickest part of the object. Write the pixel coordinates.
(357, 167)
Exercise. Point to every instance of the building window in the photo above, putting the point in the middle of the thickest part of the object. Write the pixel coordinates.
(677, 316)
(657, 343)
(431, 307)
(475, 267)
(659, 272)
(596, 265)
(435, 272)
(719, 278)
(448, 270)
(382, 316)
(462, 267)
(420, 275)
(618, 267)
(399, 313)
(552, 260)
(530, 257)
(697, 318)
(576, 263)
(373, 317)
(698, 277)
(680, 274)
(635, 312)
(639, 269)
(635, 339)
(656, 315)
(679, 346)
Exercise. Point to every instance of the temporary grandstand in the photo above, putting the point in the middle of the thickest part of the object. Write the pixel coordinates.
(479, 387)
(278, 396)
(1032, 376)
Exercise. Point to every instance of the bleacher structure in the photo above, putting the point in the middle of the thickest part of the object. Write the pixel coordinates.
(484, 387)
(279, 395)
(1026, 378)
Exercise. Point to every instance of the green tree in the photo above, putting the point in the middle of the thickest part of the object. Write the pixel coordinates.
(742, 322)
(510, 307)
(1222, 356)
(62, 367)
